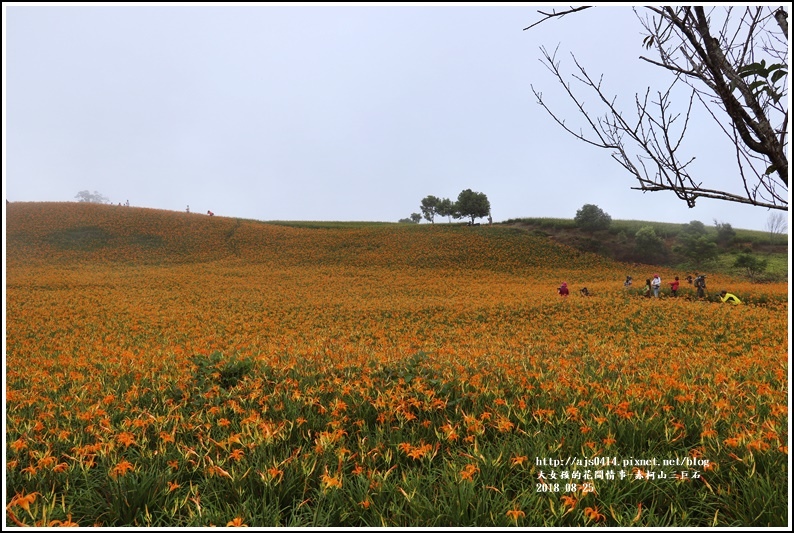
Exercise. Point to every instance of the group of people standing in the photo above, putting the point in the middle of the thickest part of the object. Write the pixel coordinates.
(653, 286)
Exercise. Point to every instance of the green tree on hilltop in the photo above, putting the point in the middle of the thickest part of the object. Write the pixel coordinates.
(446, 208)
(472, 204)
(592, 218)
(429, 207)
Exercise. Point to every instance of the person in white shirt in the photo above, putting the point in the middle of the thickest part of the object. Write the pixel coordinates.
(656, 283)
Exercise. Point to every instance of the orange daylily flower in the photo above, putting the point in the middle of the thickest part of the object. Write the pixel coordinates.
(122, 468)
(468, 472)
(331, 481)
(63, 523)
(568, 501)
(515, 514)
(593, 514)
(126, 438)
(236, 455)
(23, 500)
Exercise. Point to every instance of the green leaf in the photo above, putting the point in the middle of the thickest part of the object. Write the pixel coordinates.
(774, 95)
(749, 70)
(778, 74)
(757, 84)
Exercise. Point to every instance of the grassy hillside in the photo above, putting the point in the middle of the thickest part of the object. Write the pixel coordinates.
(663, 229)
(64, 232)
(618, 243)
(68, 232)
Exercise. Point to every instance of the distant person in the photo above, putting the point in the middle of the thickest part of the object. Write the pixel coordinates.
(210, 213)
(127, 204)
(689, 279)
(727, 297)
(674, 287)
(656, 283)
(646, 291)
(584, 291)
(187, 210)
(563, 289)
(700, 285)
(627, 283)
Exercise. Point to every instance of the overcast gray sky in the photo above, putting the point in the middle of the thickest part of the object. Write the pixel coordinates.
(331, 112)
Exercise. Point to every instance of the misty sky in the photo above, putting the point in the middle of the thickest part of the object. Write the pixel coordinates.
(327, 112)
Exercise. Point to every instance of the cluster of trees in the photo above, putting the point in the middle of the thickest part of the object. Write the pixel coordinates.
(95, 198)
(694, 244)
(470, 204)
(92, 197)
(697, 246)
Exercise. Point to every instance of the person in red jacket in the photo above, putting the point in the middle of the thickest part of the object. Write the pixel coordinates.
(674, 287)
(563, 289)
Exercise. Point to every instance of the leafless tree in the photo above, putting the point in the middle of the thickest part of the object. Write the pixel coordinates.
(732, 61)
(776, 224)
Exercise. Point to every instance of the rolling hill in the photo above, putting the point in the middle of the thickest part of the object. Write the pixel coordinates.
(66, 233)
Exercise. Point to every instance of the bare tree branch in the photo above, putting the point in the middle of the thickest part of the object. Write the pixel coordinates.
(722, 56)
(555, 14)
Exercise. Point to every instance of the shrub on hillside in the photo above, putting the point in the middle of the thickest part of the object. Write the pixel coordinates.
(750, 265)
(592, 218)
(649, 246)
(726, 235)
(697, 250)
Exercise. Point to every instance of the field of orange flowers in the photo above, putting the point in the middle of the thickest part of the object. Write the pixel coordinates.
(174, 369)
